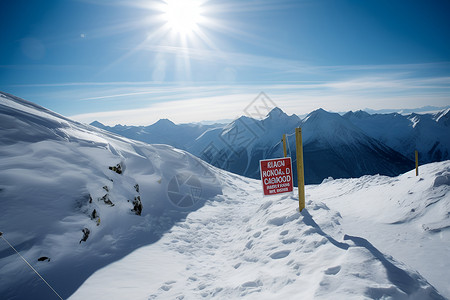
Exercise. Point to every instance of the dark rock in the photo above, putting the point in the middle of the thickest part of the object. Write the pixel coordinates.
(107, 200)
(86, 233)
(137, 205)
(44, 258)
(117, 168)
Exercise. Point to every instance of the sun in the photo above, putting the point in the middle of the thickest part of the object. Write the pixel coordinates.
(182, 16)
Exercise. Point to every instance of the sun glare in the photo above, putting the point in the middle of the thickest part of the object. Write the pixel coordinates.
(182, 16)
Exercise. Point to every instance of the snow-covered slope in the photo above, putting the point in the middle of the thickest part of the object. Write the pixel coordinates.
(55, 172)
(407, 217)
(243, 245)
(169, 226)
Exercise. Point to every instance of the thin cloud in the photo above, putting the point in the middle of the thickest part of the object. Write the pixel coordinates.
(222, 101)
(233, 58)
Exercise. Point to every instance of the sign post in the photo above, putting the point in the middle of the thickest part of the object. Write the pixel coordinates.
(284, 145)
(417, 163)
(300, 171)
(276, 175)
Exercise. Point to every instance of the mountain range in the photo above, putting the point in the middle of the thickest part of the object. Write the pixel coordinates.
(335, 145)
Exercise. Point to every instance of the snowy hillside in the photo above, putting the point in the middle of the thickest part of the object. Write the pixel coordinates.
(60, 179)
(356, 239)
(407, 217)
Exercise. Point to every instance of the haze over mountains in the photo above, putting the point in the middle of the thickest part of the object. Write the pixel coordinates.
(340, 146)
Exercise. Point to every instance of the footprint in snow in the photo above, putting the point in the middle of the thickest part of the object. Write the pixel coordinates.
(257, 234)
(249, 244)
(289, 241)
(332, 270)
(251, 284)
(284, 232)
(280, 254)
(167, 285)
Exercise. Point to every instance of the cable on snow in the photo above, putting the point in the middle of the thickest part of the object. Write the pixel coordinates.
(29, 265)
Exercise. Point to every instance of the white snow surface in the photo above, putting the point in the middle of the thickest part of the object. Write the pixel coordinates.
(203, 232)
(242, 245)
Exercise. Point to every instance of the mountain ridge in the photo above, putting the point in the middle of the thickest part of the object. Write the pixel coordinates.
(389, 139)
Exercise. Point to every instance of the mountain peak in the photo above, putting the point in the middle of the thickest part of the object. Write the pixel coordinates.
(319, 110)
(359, 114)
(164, 122)
(276, 113)
(320, 114)
(329, 126)
(97, 124)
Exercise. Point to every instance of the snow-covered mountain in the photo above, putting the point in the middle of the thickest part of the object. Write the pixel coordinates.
(181, 136)
(346, 146)
(104, 217)
(427, 133)
(332, 146)
(240, 145)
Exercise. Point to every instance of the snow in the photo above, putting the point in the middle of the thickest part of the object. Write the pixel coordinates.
(204, 232)
(427, 133)
(51, 167)
(243, 245)
(405, 216)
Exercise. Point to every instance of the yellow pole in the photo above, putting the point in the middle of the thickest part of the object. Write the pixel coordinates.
(417, 163)
(284, 145)
(300, 171)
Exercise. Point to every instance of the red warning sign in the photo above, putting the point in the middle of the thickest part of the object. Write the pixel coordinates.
(276, 175)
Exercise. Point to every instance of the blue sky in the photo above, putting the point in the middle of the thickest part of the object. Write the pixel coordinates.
(124, 62)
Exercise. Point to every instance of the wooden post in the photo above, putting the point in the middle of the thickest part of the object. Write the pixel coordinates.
(300, 171)
(284, 145)
(417, 163)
